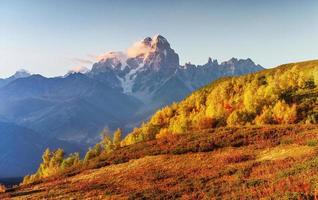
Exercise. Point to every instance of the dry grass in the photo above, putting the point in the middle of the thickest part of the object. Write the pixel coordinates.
(242, 163)
(285, 151)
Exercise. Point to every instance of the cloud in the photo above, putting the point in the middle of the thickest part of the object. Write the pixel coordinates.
(142, 47)
(83, 61)
(78, 69)
(139, 48)
(121, 56)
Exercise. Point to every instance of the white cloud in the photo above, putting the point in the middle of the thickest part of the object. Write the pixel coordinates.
(139, 48)
(79, 69)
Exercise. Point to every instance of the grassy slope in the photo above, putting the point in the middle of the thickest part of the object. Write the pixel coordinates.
(227, 163)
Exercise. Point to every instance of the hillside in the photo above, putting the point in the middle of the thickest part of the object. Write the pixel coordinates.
(283, 95)
(278, 162)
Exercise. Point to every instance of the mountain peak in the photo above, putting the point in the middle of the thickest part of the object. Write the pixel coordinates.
(212, 62)
(76, 70)
(22, 73)
(159, 39)
(233, 60)
(150, 44)
(247, 61)
(147, 41)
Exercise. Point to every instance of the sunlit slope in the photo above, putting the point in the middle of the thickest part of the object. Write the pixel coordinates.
(284, 95)
(278, 162)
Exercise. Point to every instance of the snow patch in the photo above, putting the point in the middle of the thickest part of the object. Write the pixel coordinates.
(128, 80)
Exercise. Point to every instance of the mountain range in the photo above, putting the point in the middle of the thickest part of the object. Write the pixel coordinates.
(19, 74)
(122, 89)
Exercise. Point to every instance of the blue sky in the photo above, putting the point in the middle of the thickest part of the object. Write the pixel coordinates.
(51, 37)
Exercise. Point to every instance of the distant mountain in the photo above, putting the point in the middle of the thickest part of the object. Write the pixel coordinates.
(21, 149)
(74, 108)
(19, 74)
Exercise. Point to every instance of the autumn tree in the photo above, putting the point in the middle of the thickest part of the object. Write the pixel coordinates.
(117, 138)
(283, 113)
(93, 152)
(57, 159)
(238, 117)
(44, 166)
(205, 122)
(266, 117)
(164, 132)
(71, 160)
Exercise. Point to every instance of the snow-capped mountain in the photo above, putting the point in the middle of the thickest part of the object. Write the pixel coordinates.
(131, 71)
(151, 67)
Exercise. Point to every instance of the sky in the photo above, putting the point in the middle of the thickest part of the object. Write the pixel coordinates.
(51, 37)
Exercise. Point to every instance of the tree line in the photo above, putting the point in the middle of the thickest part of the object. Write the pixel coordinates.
(55, 162)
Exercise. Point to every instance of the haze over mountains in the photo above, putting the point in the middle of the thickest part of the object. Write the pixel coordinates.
(121, 90)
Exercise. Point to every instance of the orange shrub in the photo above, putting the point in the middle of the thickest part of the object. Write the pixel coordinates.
(2, 188)
(206, 123)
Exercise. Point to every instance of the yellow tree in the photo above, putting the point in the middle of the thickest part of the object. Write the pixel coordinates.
(266, 117)
(283, 113)
(44, 166)
(117, 138)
